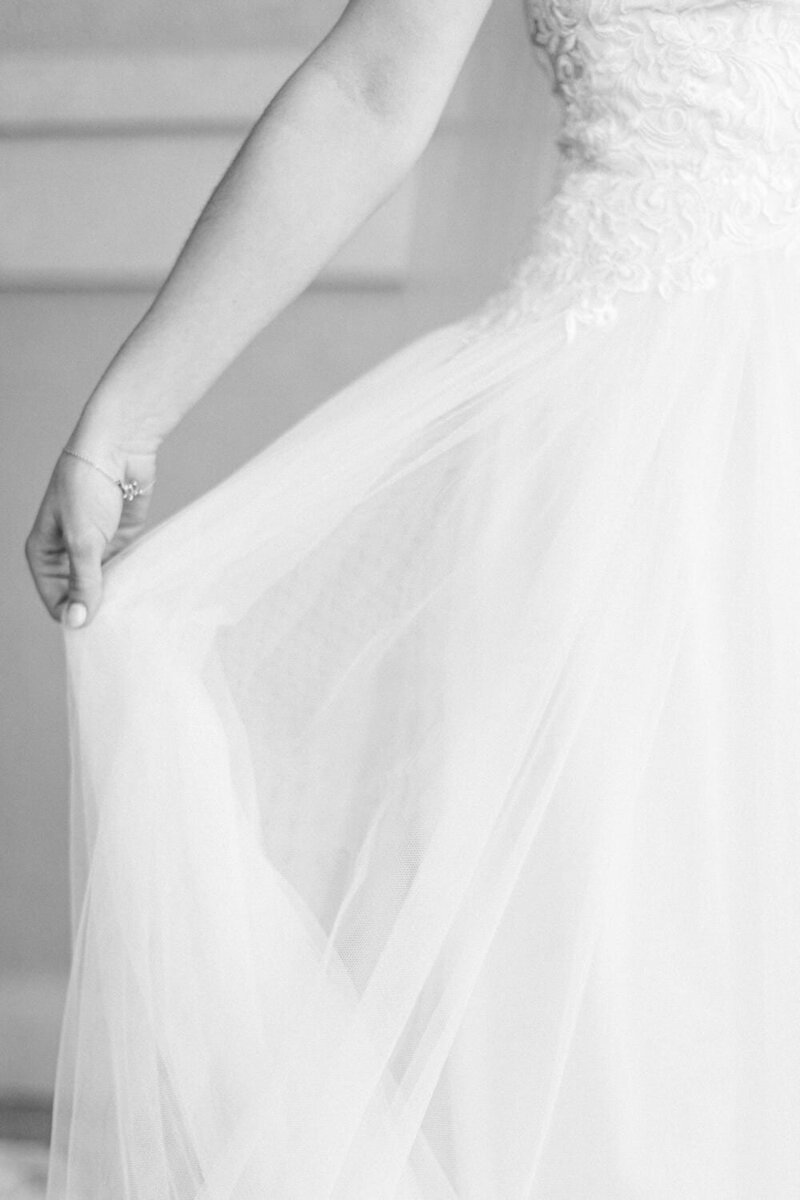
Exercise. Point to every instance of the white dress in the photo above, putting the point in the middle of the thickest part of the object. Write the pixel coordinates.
(436, 777)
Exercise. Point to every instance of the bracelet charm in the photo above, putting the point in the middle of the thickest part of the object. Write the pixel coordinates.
(130, 489)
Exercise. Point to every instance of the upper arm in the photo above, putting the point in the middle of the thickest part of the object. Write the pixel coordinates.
(401, 58)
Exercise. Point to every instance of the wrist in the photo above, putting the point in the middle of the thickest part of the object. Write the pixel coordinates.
(103, 436)
(133, 408)
(131, 488)
(117, 427)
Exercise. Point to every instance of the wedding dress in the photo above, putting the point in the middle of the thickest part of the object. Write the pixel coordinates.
(436, 777)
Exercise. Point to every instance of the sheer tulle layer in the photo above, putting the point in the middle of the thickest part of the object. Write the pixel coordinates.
(436, 786)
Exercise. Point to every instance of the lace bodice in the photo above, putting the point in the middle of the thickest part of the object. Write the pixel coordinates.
(680, 146)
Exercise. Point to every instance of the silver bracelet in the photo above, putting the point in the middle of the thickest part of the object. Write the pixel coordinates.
(130, 488)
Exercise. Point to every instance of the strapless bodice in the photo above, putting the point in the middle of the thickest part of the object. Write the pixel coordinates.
(678, 88)
(680, 146)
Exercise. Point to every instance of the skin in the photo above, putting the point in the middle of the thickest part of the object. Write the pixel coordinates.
(330, 147)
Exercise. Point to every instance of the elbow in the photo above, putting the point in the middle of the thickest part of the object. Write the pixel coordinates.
(384, 98)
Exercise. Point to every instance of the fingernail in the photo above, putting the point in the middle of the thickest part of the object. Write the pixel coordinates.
(76, 615)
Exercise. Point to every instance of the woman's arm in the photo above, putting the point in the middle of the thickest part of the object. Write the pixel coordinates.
(331, 146)
(335, 141)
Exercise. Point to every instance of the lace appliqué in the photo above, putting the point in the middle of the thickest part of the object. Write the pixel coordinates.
(680, 147)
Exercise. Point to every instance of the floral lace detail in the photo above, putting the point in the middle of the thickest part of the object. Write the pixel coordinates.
(680, 147)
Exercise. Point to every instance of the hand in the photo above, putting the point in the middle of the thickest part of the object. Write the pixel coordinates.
(82, 522)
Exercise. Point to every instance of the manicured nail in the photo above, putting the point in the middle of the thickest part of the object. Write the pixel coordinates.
(76, 615)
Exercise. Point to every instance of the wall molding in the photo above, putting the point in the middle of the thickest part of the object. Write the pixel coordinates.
(198, 91)
(113, 211)
(107, 158)
(202, 91)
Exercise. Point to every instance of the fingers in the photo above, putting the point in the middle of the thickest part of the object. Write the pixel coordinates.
(76, 523)
(46, 553)
(67, 569)
(85, 585)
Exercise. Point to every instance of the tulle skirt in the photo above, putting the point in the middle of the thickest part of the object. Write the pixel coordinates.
(436, 785)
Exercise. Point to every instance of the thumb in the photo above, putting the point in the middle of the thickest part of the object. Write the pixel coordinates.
(85, 579)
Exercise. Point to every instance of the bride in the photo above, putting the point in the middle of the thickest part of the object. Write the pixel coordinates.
(434, 777)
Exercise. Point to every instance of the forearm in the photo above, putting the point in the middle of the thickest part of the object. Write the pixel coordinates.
(335, 141)
(315, 165)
